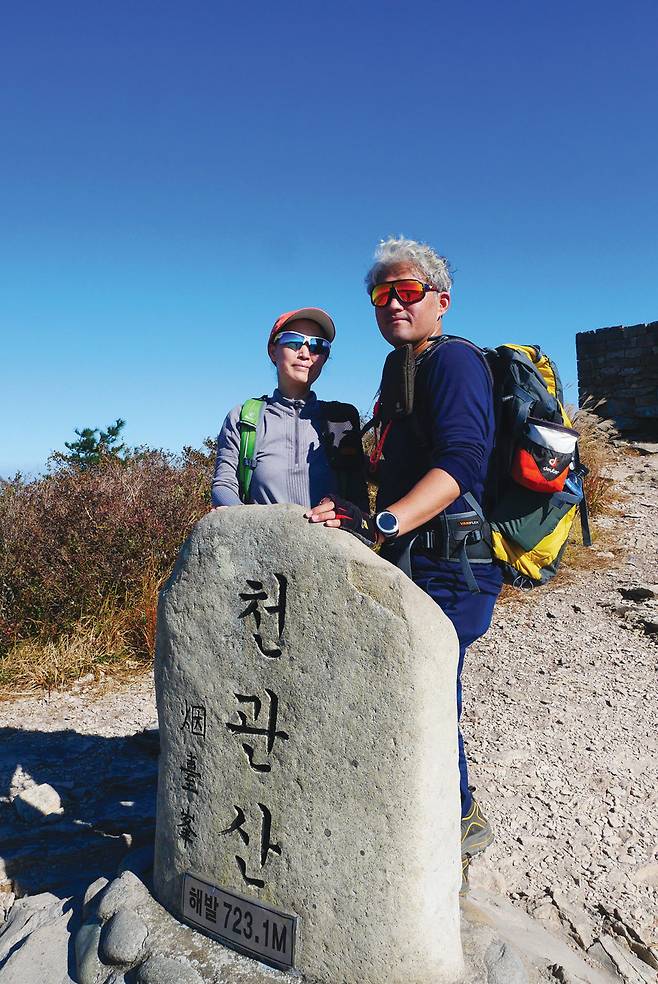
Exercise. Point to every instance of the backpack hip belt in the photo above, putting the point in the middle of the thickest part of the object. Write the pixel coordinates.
(447, 539)
(460, 538)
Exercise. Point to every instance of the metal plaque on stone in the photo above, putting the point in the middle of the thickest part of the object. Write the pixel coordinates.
(245, 924)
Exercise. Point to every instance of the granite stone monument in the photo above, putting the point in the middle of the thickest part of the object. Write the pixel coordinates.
(308, 791)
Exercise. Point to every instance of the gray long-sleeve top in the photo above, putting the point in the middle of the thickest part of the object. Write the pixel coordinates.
(291, 461)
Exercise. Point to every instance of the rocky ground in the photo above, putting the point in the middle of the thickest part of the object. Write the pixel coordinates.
(560, 723)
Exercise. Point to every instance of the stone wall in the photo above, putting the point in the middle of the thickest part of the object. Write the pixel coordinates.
(618, 376)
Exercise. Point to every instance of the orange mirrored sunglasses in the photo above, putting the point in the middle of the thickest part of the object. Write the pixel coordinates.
(406, 291)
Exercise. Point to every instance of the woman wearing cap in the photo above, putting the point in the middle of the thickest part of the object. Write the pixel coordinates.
(304, 448)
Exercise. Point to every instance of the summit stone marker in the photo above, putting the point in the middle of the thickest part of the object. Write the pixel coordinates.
(308, 790)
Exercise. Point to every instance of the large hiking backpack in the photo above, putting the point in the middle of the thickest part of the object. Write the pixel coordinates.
(341, 438)
(536, 479)
(535, 484)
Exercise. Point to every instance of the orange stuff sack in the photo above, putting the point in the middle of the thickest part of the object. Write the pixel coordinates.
(544, 455)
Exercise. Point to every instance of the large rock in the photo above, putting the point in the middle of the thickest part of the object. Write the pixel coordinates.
(34, 942)
(165, 970)
(25, 916)
(498, 939)
(306, 696)
(504, 945)
(43, 957)
(38, 802)
(503, 965)
(123, 938)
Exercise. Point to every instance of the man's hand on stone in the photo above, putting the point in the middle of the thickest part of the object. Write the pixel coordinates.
(337, 512)
(324, 512)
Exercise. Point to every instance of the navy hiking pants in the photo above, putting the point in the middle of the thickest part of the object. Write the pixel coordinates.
(471, 616)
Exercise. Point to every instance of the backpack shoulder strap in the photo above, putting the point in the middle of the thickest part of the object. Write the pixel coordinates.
(250, 415)
(436, 346)
(336, 411)
(442, 339)
(344, 448)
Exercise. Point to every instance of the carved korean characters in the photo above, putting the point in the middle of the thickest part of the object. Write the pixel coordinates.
(255, 726)
(270, 650)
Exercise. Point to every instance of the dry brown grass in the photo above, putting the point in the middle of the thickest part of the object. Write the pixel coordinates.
(116, 642)
(83, 554)
(97, 644)
(598, 454)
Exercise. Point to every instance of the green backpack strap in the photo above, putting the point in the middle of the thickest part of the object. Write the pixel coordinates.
(250, 414)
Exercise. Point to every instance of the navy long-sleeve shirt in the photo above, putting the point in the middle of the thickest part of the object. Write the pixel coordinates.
(453, 427)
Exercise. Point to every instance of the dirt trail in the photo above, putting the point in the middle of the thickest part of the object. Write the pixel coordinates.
(561, 728)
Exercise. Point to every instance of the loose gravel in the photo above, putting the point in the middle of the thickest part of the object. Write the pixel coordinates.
(561, 727)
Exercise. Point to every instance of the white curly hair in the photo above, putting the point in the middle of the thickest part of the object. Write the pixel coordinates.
(431, 268)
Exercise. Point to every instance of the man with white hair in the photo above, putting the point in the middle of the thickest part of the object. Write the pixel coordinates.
(432, 457)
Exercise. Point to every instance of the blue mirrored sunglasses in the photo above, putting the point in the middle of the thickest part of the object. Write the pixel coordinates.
(295, 340)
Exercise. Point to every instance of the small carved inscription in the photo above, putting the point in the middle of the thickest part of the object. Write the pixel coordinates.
(194, 720)
(191, 775)
(194, 723)
(185, 827)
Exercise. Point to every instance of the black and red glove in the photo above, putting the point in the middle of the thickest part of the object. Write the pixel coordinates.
(355, 521)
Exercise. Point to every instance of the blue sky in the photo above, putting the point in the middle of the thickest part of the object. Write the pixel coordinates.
(173, 176)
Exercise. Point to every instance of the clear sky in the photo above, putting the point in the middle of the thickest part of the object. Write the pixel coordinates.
(175, 175)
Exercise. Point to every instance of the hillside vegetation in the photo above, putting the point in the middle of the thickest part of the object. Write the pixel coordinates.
(85, 549)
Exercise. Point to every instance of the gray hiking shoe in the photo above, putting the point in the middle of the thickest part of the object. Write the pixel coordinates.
(477, 834)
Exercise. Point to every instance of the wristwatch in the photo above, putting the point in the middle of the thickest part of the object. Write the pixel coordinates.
(387, 524)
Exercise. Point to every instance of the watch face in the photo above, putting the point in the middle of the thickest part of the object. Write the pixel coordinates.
(387, 523)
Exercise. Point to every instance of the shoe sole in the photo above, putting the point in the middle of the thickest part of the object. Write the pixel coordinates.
(466, 863)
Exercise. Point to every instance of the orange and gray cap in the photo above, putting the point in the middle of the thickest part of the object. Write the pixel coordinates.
(320, 317)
